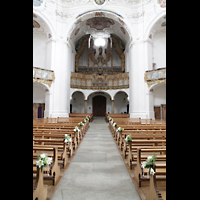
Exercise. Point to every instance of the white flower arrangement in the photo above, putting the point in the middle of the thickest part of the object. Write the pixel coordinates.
(149, 164)
(43, 161)
(120, 129)
(128, 138)
(84, 120)
(88, 117)
(81, 123)
(115, 124)
(109, 118)
(67, 138)
(76, 129)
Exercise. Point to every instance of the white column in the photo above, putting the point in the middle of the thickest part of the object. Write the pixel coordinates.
(61, 90)
(148, 49)
(136, 81)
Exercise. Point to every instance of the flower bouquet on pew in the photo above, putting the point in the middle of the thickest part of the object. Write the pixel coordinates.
(128, 139)
(76, 129)
(88, 117)
(84, 120)
(115, 124)
(119, 130)
(43, 161)
(149, 164)
(81, 124)
(109, 118)
(67, 138)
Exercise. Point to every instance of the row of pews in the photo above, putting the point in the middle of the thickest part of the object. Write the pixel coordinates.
(49, 138)
(146, 139)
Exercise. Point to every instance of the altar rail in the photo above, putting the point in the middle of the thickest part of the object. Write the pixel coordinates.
(99, 82)
(155, 76)
(43, 75)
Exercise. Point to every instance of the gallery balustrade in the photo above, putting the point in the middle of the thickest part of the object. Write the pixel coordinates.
(43, 76)
(155, 76)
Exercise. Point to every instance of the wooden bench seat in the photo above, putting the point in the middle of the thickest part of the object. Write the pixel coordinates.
(160, 169)
(69, 149)
(54, 167)
(40, 190)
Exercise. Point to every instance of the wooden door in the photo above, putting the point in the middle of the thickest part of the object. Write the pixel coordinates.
(99, 105)
(157, 112)
(163, 111)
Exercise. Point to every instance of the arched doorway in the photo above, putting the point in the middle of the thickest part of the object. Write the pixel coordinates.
(99, 105)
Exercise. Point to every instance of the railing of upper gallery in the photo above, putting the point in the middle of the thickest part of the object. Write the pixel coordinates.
(43, 76)
(155, 76)
(99, 82)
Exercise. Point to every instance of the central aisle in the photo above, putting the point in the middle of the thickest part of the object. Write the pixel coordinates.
(97, 171)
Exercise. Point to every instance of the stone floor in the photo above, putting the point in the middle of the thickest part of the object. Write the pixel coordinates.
(97, 171)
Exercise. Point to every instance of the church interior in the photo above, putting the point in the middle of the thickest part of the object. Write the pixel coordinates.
(105, 59)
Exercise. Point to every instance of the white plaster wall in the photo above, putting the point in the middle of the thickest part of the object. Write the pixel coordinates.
(39, 50)
(159, 49)
(160, 95)
(78, 103)
(38, 94)
(120, 103)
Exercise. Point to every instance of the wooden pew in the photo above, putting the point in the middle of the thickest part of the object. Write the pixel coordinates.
(160, 164)
(117, 115)
(137, 133)
(82, 115)
(75, 136)
(67, 149)
(153, 192)
(40, 190)
(54, 168)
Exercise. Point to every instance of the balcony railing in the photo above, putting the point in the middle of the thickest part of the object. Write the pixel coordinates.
(43, 76)
(99, 82)
(155, 76)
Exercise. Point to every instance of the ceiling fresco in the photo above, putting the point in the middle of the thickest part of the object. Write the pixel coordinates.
(100, 23)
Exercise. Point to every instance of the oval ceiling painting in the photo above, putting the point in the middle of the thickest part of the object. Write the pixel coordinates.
(99, 2)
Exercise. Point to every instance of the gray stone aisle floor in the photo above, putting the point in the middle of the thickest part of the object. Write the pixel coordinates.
(97, 171)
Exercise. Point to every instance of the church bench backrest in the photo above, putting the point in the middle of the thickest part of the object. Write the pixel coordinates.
(54, 169)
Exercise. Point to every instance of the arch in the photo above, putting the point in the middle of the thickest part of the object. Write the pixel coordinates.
(78, 91)
(156, 85)
(87, 14)
(152, 23)
(118, 92)
(99, 92)
(47, 22)
(43, 85)
(77, 102)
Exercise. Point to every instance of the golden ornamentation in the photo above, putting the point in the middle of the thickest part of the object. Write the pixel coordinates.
(43, 76)
(99, 82)
(155, 76)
